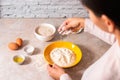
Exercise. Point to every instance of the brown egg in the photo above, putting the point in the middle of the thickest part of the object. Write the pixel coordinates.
(13, 46)
(19, 41)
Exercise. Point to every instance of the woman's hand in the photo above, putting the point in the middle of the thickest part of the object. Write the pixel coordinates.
(55, 71)
(73, 24)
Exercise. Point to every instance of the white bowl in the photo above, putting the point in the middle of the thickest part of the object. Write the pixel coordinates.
(29, 49)
(45, 32)
(19, 59)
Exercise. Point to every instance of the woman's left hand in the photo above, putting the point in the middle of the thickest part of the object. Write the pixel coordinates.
(55, 71)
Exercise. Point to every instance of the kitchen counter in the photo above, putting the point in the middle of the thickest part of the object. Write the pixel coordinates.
(34, 68)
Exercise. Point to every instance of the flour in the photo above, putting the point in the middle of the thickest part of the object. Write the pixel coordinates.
(45, 30)
(62, 56)
(39, 63)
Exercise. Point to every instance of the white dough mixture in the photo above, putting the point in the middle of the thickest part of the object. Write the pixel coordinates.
(62, 56)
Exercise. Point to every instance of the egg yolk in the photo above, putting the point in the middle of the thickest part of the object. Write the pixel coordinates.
(18, 59)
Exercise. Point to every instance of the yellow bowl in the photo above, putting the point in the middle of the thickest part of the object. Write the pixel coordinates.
(59, 44)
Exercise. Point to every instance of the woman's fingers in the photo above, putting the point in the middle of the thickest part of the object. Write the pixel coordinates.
(71, 25)
(55, 71)
(62, 25)
(56, 66)
(65, 30)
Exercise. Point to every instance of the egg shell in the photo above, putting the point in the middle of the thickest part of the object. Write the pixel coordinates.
(13, 46)
(19, 41)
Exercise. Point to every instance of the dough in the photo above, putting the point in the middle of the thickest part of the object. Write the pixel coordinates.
(62, 56)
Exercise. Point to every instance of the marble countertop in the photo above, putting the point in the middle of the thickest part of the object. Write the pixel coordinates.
(34, 68)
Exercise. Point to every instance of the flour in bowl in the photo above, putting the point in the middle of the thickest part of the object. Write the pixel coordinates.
(45, 30)
(62, 56)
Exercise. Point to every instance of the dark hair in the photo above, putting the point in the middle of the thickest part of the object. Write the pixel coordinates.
(108, 7)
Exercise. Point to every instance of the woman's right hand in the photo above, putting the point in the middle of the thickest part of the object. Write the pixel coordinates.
(73, 24)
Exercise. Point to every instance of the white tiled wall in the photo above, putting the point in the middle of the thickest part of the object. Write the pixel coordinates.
(41, 9)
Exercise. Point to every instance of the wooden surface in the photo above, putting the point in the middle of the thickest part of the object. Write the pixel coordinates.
(34, 67)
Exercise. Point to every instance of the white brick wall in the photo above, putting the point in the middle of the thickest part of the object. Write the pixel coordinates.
(41, 9)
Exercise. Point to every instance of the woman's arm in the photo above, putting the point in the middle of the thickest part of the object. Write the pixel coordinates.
(90, 27)
(65, 77)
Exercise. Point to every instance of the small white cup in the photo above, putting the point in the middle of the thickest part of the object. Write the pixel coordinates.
(19, 59)
(29, 49)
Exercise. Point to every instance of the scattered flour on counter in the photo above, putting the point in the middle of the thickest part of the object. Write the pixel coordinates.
(39, 63)
(62, 56)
